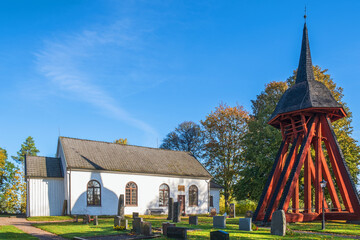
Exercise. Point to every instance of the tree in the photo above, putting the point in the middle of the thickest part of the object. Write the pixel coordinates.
(27, 148)
(10, 181)
(186, 137)
(261, 142)
(224, 130)
(123, 141)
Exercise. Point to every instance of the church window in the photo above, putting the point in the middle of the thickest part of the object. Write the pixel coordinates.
(131, 194)
(164, 192)
(193, 196)
(93, 193)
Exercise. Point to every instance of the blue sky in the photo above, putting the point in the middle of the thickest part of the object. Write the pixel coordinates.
(104, 70)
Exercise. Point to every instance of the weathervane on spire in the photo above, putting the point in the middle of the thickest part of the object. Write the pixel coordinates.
(305, 14)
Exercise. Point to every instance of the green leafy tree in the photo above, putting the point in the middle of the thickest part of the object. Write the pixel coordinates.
(28, 148)
(187, 137)
(261, 142)
(224, 131)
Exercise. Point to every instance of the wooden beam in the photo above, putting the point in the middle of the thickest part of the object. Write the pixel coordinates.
(307, 183)
(318, 170)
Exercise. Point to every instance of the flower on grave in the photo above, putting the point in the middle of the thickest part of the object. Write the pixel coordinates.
(119, 228)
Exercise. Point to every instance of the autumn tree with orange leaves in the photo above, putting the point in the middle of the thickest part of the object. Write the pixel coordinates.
(224, 130)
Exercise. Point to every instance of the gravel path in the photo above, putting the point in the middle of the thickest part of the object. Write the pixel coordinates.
(24, 225)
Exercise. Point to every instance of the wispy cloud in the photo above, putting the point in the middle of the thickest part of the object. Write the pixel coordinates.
(75, 65)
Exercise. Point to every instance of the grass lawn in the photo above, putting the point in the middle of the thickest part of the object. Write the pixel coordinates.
(11, 232)
(105, 227)
(336, 227)
(51, 218)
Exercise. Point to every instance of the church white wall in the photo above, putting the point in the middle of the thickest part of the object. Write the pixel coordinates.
(60, 154)
(215, 192)
(113, 184)
(45, 196)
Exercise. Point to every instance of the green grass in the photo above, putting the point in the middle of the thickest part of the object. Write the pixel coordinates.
(336, 227)
(51, 218)
(11, 232)
(105, 227)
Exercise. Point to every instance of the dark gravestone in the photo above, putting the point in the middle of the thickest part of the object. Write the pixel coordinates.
(146, 228)
(135, 215)
(278, 223)
(96, 222)
(124, 223)
(193, 220)
(176, 213)
(86, 219)
(219, 222)
(76, 218)
(219, 235)
(232, 210)
(170, 209)
(137, 225)
(121, 206)
(117, 221)
(249, 214)
(245, 224)
(165, 226)
(177, 232)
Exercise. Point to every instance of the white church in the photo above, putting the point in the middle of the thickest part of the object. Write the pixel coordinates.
(87, 177)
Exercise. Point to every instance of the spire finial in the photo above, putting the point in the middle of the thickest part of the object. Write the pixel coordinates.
(305, 14)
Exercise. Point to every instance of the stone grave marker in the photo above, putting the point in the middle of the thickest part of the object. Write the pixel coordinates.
(177, 232)
(86, 219)
(249, 214)
(219, 221)
(176, 213)
(76, 218)
(135, 215)
(193, 220)
(96, 221)
(124, 223)
(117, 221)
(137, 225)
(121, 206)
(278, 223)
(165, 226)
(146, 228)
(219, 235)
(245, 224)
(232, 210)
(213, 212)
(170, 209)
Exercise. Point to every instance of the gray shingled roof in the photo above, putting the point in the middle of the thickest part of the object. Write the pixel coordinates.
(215, 185)
(36, 166)
(306, 92)
(95, 155)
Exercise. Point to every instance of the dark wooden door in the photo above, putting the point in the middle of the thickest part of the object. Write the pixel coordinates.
(181, 200)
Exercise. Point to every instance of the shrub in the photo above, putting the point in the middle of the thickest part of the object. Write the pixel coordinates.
(245, 205)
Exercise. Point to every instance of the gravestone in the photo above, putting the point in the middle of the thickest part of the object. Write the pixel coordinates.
(219, 221)
(245, 224)
(76, 218)
(193, 220)
(219, 235)
(124, 223)
(176, 213)
(170, 209)
(121, 206)
(86, 219)
(135, 215)
(213, 212)
(278, 223)
(232, 210)
(249, 214)
(177, 232)
(146, 228)
(165, 226)
(96, 222)
(137, 225)
(117, 221)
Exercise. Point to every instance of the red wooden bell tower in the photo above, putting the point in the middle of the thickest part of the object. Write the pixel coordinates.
(304, 115)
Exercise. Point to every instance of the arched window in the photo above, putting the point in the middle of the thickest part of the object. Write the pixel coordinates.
(131, 194)
(193, 195)
(93, 193)
(164, 193)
